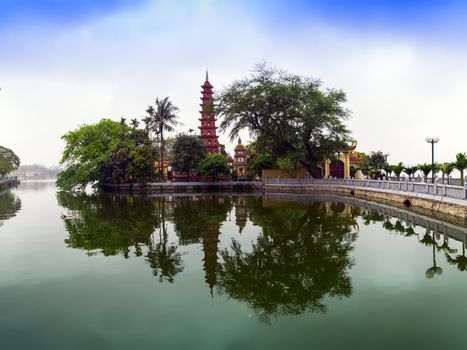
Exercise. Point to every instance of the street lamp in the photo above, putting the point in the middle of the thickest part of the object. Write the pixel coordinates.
(432, 140)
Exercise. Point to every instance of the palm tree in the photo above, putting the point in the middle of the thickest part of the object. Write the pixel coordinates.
(134, 123)
(388, 169)
(411, 170)
(147, 121)
(461, 164)
(426, 169)
(446, 169)
(162, 118)
(398, 169)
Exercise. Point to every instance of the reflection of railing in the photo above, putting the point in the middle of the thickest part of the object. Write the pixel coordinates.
(456, 232)
(457, 192)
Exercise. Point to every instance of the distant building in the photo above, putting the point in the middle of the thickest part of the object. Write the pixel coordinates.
(36, 172)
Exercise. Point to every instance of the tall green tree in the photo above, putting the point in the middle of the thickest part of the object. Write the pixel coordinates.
(260, 162)
(289, 115)
(213, 166)
(461, 164)
(86, 149)
(188, 152)
(162, 117)
(376, 161)
(9, 161)
(108, 151)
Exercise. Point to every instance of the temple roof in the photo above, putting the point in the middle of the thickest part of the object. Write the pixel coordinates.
(349, 148)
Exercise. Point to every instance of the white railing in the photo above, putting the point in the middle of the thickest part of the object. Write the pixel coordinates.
(436, 189)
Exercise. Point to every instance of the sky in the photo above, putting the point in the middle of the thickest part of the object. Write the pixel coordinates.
(64, 63)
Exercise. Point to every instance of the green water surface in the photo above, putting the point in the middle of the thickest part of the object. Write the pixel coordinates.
(225, 271)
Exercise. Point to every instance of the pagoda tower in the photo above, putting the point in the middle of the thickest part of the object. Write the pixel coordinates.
(208, 126)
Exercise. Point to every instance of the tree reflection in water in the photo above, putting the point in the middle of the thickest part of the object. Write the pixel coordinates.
(301, 255)
(9, 206)
(428, 239)
(460, 261)
(111, 225)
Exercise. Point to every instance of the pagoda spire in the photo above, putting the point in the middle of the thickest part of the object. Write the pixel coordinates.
(208, 128)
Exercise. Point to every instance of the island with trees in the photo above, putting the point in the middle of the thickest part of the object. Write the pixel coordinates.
(298, 126)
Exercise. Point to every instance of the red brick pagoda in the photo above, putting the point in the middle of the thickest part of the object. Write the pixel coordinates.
(208, 121)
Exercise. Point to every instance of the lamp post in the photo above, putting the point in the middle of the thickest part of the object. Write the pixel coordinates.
(432, 140)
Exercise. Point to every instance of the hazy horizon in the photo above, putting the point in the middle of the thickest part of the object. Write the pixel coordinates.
(67, 63)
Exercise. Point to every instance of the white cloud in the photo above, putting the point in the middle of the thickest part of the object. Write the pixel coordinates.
(399, 90)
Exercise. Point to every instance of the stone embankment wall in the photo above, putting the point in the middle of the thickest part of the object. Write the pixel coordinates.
(8, 184)
(182, 187)
(426, 203)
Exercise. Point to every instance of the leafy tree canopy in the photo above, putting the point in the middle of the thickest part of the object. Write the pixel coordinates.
(9, 161)
(188, 152)
(260, 162)
(289, 115)
(376, 161)
(213, 166)
(105, 152)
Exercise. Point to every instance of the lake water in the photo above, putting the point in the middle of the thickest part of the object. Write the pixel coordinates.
(225, 272)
